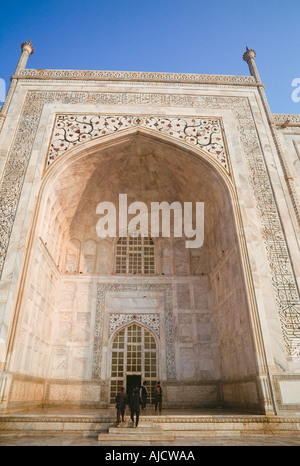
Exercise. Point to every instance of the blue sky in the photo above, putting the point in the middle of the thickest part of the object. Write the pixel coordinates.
(187, 36)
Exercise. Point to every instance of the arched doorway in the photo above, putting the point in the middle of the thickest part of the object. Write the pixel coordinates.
(134, 360)
(215, 357)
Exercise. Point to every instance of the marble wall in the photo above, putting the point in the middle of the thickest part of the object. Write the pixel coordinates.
(229, 335)
(34, 335)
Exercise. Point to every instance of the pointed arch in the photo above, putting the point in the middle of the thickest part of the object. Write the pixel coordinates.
(58, 173)
(134, 352)
(95, 147)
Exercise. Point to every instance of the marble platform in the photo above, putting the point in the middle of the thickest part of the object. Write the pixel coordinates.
(187, 424)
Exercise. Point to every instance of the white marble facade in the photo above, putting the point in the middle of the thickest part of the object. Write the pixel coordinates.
(225, 317)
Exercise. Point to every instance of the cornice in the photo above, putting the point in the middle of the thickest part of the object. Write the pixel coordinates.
(285, 119)
(91, 75)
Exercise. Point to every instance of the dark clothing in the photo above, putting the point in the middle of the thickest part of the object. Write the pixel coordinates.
(137, 417)
(120, 415)
(135, 402)
(121, 400)
(158, 398)
(144, 395)
(135, 407)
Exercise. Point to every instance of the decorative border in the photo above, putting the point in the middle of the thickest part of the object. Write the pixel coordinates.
(98, 75)
(277, 379)
(159, 420)
(100, 309)
(73, 129)
(282, 276)
(281, 118)
(208, 419)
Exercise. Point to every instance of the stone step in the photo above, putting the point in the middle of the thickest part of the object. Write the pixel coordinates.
(142, 424)
(136, 436)
(177, 424)
(132, 430)
(146, 431)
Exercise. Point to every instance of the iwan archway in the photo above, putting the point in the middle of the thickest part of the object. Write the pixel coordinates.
(74, 297)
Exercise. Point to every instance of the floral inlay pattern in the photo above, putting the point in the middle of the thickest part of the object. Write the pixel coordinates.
(71, 130)
(117, 320)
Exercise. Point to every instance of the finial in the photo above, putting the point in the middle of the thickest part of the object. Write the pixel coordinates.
(250, 53)
(28, 47)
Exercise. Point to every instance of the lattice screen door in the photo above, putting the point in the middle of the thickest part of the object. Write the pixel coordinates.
(134, 351)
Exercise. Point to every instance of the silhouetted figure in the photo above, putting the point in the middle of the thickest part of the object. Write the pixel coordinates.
(121, 400)
(135, 404)
(158, 398)
(144, 396)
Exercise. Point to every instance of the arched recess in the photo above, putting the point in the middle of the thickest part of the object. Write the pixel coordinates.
(212, 287)
(134, 351)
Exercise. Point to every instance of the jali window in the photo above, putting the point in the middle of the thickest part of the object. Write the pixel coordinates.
(135, 255)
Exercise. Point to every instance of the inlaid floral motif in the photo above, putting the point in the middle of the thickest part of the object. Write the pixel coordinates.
(71, 130)
(117, 320)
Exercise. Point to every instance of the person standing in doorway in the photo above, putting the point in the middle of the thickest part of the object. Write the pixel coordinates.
(135, 404)
(144, 396)
(121, 400)
(158, 397)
